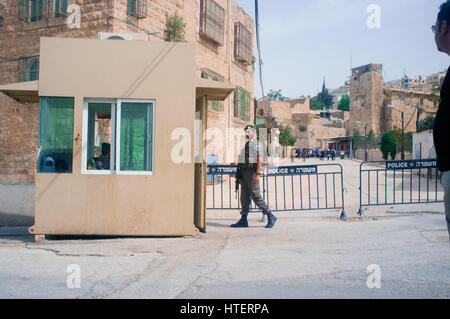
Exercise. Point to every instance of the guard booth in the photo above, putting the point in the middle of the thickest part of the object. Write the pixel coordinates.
(108, 111)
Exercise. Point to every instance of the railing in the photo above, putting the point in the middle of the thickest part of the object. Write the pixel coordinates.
(285, 189)
(399, 183)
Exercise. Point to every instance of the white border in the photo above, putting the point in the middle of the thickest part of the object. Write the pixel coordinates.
(84, 170)
(118, 123)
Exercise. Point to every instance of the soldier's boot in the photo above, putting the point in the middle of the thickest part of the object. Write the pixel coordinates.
(271, 220)
(242, 223)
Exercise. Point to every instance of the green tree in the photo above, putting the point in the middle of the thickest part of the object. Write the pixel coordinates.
(175, 28)
(276, 95)
(286, 139)
(326, 99)
(427, 123)
(388, 145)
(357, 139)
(315, 104)
(344, 104)
(371, 138)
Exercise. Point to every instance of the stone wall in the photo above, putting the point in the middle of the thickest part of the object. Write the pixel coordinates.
(20, 39)
(369, 98)
(307, 126)
(19, 126)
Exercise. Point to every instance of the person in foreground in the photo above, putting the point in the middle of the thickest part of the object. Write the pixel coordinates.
(441, 130)
(249, 169)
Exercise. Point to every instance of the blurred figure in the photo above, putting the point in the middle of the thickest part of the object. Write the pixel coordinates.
(441, 130)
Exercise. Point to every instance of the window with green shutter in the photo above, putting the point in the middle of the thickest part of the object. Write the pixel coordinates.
(55, 135)
(242, 104)
(29, 69)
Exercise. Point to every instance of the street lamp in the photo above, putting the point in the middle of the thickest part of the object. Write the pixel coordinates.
(390, 106)
(365, 139)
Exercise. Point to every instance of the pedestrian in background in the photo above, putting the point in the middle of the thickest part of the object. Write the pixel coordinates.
(441, 130)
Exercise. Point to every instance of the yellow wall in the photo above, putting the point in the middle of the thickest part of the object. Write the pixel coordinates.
(161, 204)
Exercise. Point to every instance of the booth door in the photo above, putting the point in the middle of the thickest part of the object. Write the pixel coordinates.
(200, 169)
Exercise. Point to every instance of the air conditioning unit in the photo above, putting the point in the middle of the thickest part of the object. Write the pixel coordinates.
(123, 36)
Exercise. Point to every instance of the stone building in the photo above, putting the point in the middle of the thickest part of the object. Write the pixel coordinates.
(310, 128)
(370, 99)
(221, 30)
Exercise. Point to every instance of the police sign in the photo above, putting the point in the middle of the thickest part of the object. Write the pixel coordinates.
(221, 170)
(412, 164)
(290, 170)
(268, 171)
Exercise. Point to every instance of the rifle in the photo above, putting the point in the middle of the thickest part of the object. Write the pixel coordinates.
(238, 180)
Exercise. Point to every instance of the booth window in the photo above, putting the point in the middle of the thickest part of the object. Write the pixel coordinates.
(99, 136)
(55, 135)
(119, 137)
(136, 126)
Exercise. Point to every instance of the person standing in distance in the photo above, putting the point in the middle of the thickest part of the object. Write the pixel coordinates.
(250, 166)
(441, 130)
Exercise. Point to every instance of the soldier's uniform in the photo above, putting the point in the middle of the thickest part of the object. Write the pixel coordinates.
(248, 161)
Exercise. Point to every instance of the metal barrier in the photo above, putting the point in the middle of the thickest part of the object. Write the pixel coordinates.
(285, 189)
(384, 183)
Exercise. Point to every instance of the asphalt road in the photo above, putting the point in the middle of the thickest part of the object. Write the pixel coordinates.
(307, 255)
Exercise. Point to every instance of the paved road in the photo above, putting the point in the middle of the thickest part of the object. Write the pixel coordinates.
(308, 255)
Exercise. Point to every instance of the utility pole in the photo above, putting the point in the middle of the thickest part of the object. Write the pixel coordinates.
(258, 44)
(418, 118)
(365, 142)
(403, 135)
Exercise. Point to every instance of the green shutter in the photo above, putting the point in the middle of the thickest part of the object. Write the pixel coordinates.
(56, 135)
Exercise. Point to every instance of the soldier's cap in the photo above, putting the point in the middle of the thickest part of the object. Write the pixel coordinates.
(252, 127)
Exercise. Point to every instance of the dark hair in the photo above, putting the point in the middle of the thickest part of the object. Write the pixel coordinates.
(444, 13)
(106, 148)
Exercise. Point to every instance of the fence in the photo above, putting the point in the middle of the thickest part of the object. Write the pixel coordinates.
(399, 183)
(290, 188)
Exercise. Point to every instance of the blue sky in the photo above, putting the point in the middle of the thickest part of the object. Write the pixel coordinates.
(304, 40)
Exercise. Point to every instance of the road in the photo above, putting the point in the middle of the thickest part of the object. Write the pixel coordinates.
(307, 255)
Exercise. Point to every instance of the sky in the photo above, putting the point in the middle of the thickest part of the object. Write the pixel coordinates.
(303, 41)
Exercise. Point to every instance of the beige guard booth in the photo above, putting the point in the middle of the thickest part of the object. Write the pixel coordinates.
(168, 202)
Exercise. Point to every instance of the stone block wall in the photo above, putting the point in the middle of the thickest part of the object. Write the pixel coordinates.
(20, 123)
(19, 126)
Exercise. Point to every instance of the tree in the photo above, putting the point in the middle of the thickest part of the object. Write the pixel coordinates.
(325, 97)
(175, 28)
(316, 104)
(286, 138)
(357, 139)
(371, 138)
(391, 143)
(388, 145)
(427, 123)
(344, 104)
(276, 95)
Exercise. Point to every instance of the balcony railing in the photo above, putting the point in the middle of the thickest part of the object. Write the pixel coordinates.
(137, 8)
(242, 44)
(29, 68)
(36, 10)
(212, 21)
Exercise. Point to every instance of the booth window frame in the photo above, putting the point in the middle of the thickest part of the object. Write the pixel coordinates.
(115, 137)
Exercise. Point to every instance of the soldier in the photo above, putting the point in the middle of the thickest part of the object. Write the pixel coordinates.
(250, 165)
